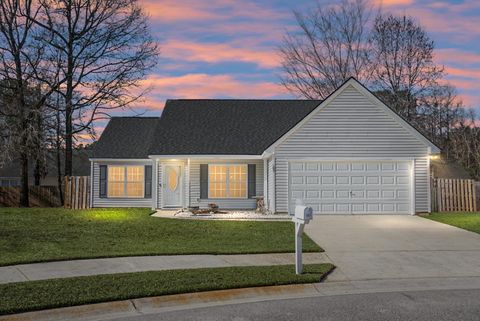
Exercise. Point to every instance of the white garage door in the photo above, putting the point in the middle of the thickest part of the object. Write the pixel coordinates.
(360, 187)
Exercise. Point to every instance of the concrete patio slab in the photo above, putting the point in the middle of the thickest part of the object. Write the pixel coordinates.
(373, 247)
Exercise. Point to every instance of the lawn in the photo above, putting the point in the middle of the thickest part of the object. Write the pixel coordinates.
(50, 234)
(468, 221)
(36, 295)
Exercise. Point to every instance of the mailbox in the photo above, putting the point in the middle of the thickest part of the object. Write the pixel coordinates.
(303, 213)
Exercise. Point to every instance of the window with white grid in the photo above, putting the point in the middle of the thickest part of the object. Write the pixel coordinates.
(227, 181)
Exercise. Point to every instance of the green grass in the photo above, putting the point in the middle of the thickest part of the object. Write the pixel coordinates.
(36, 295)
(468, 221)
(49, 234)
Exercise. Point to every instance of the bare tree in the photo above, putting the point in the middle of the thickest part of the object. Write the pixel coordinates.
(22, 94)
(404, 68)
(464, 144)
(438, 113)
(331, 46)
(105, 49)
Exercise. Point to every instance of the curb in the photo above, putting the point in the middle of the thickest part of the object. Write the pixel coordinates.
(135, 307)
(143, 306)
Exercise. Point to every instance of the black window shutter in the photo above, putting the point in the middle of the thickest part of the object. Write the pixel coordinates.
(252, 181)
(148, 181)
(103, 181)
(203, 181)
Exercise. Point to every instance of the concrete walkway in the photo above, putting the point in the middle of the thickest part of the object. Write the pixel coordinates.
(379, 247)
(65, 269)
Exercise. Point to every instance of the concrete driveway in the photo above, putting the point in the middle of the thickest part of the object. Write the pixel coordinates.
(374, 247)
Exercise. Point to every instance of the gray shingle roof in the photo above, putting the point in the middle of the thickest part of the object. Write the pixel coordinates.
(232, 127)
(126, 137)
(203, 126)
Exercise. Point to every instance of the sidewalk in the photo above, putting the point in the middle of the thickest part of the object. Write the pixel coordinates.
(66, 269)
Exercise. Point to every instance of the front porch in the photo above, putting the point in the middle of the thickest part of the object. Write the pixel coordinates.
(232, 182)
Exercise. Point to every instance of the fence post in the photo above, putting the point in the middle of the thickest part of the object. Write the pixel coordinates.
(474, 197)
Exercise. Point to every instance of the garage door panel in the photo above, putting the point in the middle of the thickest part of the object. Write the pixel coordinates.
(343, 180)
(358, 166)
(312, 180)
(342, 167)
(373, 180)
(358, 194)
(403, 167)
(387, 167)
(388, 180)
(312, 166)
(342, 208)
(358, 180)
(401, 207)
(326, 180)
(375, 194)
(373, 167)
(328, 194)
(403, 180)
(403, 194)
(352, 187)
(327, 167)
(358, 208)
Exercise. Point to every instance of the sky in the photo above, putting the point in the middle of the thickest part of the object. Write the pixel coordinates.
(228, 48)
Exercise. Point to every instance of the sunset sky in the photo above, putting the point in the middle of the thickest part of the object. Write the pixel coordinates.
(227, 48)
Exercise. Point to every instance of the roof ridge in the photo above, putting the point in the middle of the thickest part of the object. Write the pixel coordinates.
(136, 117)
(239, 99)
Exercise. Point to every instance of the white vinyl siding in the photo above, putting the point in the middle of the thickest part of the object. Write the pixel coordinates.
(422, 184)
(117, 201)
(351, 126)
(228, 203)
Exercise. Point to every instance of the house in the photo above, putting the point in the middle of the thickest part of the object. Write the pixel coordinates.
(10, 173)
(347, 154)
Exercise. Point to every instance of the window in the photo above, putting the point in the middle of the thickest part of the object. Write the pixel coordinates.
(125, 181)
(227, 181)
(9, 182)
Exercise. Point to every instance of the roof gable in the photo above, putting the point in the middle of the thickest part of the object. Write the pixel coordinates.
(126, 137)
(353, 83)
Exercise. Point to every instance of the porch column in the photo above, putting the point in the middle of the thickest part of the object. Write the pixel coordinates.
(265, 183)
(155, 185)
(187, 183)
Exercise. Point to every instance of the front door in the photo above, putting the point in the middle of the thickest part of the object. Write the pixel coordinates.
(172, 185)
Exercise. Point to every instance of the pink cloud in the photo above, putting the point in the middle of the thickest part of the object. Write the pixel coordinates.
(455, 7)
(466, 73)
(216, 52)
(169, 11)
(193, 10)
(451, 56)
(389, 3)
(207, 86)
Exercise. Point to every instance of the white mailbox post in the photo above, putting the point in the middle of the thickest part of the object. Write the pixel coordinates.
(302, 216)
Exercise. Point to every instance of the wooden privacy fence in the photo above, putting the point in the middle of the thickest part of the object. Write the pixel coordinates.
(453, 195)
(39, 196)
(77, 192)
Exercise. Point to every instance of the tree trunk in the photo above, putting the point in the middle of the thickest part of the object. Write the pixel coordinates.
(36, 173)
(68, 143)
(68, 130)
(24, 200)
(58, 155)
(59, 174)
